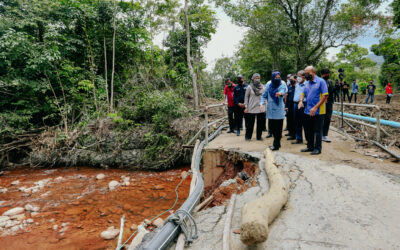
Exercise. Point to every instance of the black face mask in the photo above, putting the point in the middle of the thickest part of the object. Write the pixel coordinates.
(309, 77)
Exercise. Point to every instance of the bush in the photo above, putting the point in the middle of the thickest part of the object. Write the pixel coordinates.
(363, 87)
(158, 107)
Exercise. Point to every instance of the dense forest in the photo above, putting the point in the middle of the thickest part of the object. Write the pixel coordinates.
(86, 74)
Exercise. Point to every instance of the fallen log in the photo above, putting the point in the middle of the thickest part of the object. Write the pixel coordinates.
(259, 213)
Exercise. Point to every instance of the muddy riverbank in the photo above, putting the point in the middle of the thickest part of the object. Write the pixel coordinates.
(72, 206)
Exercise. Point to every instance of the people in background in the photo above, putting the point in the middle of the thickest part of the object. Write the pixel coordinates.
(354, 91)
(228, 100)
(251, 102)
(299, 112)
(238, 97)
(389, 92)
(337, 91)
(290, 108)
(325, 74)
(370, 91)
(316, 93)
(345, 89)
(274, 94)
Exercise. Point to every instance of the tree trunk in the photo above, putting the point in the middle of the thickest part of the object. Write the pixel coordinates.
(105, 70)
(192, 73)
(113, 64)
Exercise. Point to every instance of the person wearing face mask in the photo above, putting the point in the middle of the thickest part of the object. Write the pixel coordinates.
(251, 102)
(238, 97)
(274, 94)
(298, 113)
(345, 90)
(354, 91)
(228, 97)
(290, 108)
(316, 93)
(325, 73)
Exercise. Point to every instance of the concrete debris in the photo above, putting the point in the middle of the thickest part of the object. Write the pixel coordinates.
(113, 185)
(31, 208)
(100, 176)
(14, 211)
(110, 233)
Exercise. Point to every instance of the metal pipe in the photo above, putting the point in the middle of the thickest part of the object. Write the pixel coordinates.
(171, 230)
(373, 120)
(358, 105)
(365, 124)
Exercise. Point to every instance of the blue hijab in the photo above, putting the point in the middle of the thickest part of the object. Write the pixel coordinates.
(274, 86)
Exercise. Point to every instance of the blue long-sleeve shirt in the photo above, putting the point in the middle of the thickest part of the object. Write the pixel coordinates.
(275, 111)
(297, 92)
(239, 93)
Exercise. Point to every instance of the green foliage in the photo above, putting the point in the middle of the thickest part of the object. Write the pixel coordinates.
(389, 48)
(158, 107)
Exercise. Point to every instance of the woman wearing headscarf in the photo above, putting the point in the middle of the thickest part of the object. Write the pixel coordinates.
(251, 102)
(274, 93)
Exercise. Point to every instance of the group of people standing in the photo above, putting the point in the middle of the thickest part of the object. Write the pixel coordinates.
(305, 100)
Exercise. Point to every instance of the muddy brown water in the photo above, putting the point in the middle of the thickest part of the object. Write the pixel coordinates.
(76, 197)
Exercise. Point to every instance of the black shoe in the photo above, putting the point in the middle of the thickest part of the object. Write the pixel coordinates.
(285, 129)
(316, 152)
(287, 134)
(247, 139)
(273, 148)
(260, 139)
(231, 131)
(269, 136)
(306, 150)
(297, 142)
(291, 138)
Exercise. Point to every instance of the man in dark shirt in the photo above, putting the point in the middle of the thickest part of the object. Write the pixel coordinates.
(325, 73)
(290, 108)
(370, 91)
(238, 97)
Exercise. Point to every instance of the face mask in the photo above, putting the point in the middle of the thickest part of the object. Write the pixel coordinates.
(292, 82)
(277, 81)
(257, 81)
(309, 77)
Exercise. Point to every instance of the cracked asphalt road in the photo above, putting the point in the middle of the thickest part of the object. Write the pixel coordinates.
(333, 204)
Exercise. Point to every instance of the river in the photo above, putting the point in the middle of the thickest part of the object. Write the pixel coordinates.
(75, 207)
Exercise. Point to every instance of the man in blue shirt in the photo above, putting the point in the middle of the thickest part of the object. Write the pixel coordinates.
(316, 93)
(238, 97)
(299, 112)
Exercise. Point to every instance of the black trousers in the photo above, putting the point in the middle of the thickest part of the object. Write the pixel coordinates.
(250, 125)
(276, 130)
(346, 93)
(269, 126)
(355, 97)
(239, 114)
(327, 119)
(231, 118)
(388, 99)
(313, 130)
(290, 120)
(336, 96)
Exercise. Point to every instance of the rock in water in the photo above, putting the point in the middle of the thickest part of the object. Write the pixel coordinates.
(113, 185)
(15, 183)
(31, 208)
(158, 223)
(14, 211)
(100, 176)
(110, 233)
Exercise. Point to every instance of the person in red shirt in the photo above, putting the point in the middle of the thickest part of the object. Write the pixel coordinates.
(389, 92)
(228, 100)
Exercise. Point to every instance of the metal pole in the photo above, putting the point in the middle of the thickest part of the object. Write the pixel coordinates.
(341, 101)
(206, 124)
(378, 126)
